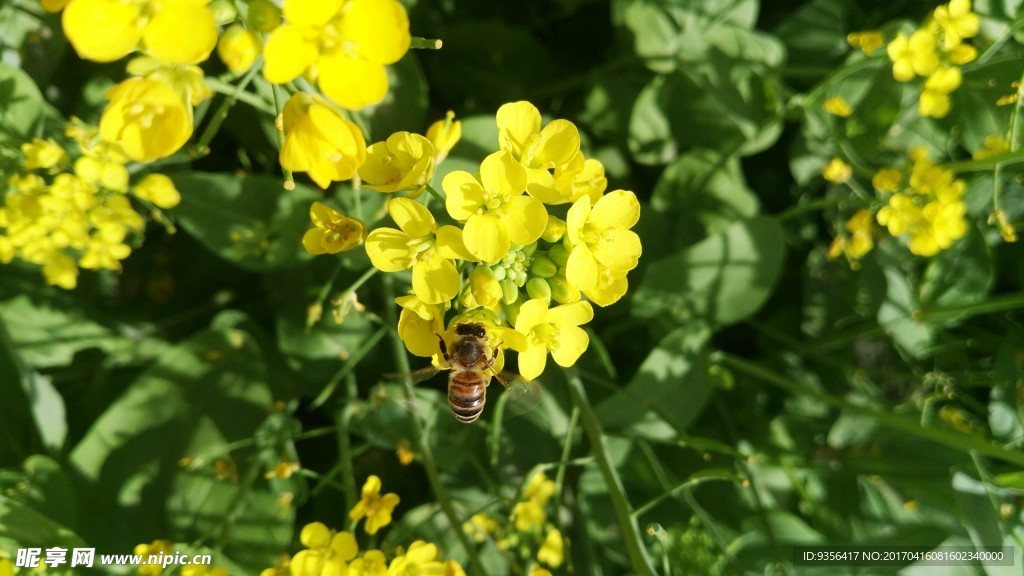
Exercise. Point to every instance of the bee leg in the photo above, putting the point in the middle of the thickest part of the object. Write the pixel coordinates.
(494, 355)
(444, 349)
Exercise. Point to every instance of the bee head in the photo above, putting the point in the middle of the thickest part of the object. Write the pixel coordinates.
(471, 329)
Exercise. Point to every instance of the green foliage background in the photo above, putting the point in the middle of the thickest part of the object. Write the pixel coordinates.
(748, 395)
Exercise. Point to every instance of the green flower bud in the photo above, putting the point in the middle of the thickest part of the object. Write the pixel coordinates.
(499, 273)
(559, 254)
(543, 266)
(538, 288)
(509, 291)
(562, 291)
(224, 11)
(263, 15)
(529, 249)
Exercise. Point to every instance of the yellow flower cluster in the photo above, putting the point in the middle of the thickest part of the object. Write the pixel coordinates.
(935, 52)
(375, 508)
(507, 260)
(859, 239)
(528, 533)
(928, 209)
(331, 553)
(64, 215)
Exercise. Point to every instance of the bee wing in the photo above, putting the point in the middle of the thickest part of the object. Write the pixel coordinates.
(416, 376)
(522, 395)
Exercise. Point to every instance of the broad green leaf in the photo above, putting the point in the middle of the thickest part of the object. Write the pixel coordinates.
(959, 275)
(723, 279)
(815, 33)
(22, 107)
(672, 382)
(973, 111)
(210, 390)
(22, 527)
(900, 315)
(704, 193)
(32, 410)
(250, 221)
(41, 484)
(1004, 409)
(727, 102)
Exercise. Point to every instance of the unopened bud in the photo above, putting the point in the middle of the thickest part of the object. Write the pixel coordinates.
(509, 291)
(263, 15)
(559, 254)
(543, 267)
(562, 291)
(555, 229)
(224, 11)
(539, 288)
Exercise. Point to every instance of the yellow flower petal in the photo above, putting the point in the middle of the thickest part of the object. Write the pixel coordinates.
(450, 244)
(517, 121)
(352, 82)
(147, 118)
(238, 48)
(388, 250)
(380, 28)
(158, 189)
(463, 194)
(531, 313)
(486, 237)
(532, 361)
(344, 545)
(618, 250)
(102, 30)
(164, 39)
(571, 314)
(581, 270)
(289, 51)
(619, 209)
(501, 172)
(559, 141)
(311, 12)
(434, 278)
(526, 219)
(411, 216)
(571, 344)
(577, 218)
(315, 535)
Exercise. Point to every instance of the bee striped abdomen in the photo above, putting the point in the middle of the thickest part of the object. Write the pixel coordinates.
(467, 394)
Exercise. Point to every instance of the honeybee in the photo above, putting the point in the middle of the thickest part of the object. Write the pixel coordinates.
(471, 367)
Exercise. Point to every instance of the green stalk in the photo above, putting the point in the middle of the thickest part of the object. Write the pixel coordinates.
(639, 560)
(1000, 303)
(952, 439)
(437, 195)
(426, 454)
(221, 87)
(425, 44)
(201, 147)
(348, 478)
(346, 370)
(289, 178)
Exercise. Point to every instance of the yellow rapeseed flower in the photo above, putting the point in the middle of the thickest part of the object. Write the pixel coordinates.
(419, 324)
(838, 106)
(552, 551)
(318, 141)
(538, 150)
(887, 180)
(371, 563)
(529, 514)
(326, 552)
(867, 41)
(6, 567)
(994, 145)
(496, 212)
(603, 248)
(239, 47)
(405, 161)
(332, 231)
(158, 189)
(540, 488)
(579, 177)
(860, 240)
(913, 56)
(480, 526)
(957, 22)
(444, 134)
(154, 548)
(419, 244)
(934, 101)
(375, 508)
(346, 43)
(147, 118)
(419, 560)
(837, 171)
(42, 154)
(176, 31)
(556, 330)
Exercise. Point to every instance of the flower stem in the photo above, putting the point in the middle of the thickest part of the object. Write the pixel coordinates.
(956, 440)
(348, 479)
(640, 561)
(289, 179)
(346, 370)
(426, 454)
(425, 44)
(221, 87)
(437, 196)
(202, 146)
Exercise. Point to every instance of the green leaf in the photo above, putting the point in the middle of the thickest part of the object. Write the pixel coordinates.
(900, 315)
(22, 527)
(727, 101)
(673, 375)
(250, 221)
(32, 410)
(704, 192)
(958, 276)
(22, 107)
(209, 390)
(722, 280)
(815, 33)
